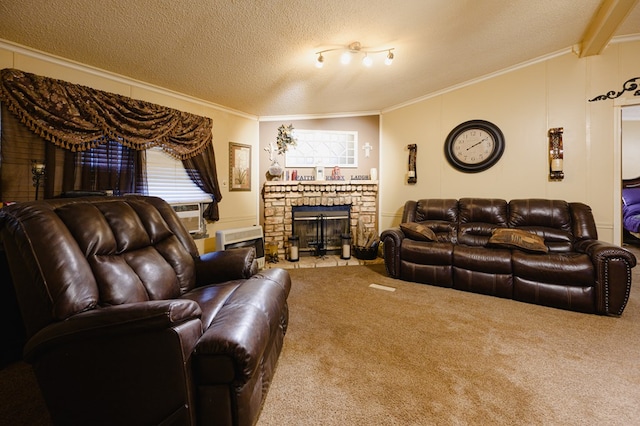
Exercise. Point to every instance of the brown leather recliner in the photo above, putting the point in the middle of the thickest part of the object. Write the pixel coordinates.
(127, 324)
(578, 272)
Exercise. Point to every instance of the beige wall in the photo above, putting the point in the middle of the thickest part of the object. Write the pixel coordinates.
(524, 102)
(237, 209)
(631, 147)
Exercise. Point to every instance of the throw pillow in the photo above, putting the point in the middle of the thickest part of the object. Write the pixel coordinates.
(517, 239)
(418, 231)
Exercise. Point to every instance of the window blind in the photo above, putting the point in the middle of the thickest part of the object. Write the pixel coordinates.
(167, 179)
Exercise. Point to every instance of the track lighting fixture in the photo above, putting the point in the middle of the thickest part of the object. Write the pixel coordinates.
(354, 49)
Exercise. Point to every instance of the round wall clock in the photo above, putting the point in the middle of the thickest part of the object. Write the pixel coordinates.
(474, 146)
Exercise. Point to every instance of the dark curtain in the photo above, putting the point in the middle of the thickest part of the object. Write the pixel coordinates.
(202, 171)
(111, 166)
(78, 118)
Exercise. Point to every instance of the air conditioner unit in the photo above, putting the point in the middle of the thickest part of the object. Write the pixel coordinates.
(190, 215)
(242, 237)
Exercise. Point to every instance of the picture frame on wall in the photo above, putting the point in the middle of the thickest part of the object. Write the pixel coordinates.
(239, 167)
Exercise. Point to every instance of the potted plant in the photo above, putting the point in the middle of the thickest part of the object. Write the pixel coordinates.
(284, 140)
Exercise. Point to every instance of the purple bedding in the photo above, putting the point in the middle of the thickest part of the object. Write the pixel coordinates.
(631, 209)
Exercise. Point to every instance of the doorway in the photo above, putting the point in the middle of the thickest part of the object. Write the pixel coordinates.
(627, 146)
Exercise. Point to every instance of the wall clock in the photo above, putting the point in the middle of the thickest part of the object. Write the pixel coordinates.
(474, 146)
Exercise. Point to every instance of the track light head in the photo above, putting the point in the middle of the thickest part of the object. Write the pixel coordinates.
(389, 59)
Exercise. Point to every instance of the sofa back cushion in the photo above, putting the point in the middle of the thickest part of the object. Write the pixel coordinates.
(478, 217)
(441, 215)
(550, 219)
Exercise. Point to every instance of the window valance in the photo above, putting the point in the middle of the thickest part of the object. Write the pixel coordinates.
(79, 118)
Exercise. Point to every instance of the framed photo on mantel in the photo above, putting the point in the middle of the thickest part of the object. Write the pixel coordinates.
(239, 167)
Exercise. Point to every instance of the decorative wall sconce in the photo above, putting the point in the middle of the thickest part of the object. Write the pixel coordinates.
(412, 175)
(38, 171)
(556, 154)
(354, 49)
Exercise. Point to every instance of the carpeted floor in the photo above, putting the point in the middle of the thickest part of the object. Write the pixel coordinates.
(424, 355)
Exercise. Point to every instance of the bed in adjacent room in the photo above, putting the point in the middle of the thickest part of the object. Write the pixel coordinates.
(631, 210)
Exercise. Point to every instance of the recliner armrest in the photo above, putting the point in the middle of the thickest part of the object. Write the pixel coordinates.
(112, 321)
(391, 242)
(612, 265)
(600, 251)
(226, 265)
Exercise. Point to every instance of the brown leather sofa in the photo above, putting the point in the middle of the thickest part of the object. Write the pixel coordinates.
(578, 272)
(128, 325)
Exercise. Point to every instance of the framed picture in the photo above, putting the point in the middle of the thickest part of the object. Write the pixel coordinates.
(239, 167)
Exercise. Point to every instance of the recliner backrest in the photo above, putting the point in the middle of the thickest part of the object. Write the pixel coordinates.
(441, 215)
(479, 217)
(550, 219)
(73, 255)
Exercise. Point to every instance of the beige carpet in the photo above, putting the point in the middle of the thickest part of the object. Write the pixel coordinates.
(426, 355)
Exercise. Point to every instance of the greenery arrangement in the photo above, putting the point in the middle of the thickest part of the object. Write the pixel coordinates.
(285, 138)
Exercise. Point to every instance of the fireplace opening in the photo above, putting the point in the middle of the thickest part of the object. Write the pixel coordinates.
(320, 228)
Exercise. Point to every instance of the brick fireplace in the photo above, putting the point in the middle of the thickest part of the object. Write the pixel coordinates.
(280, 196)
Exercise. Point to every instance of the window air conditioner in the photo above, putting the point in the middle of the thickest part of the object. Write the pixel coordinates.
(190, 215)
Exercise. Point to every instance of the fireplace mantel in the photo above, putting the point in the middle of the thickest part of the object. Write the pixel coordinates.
(280, 196)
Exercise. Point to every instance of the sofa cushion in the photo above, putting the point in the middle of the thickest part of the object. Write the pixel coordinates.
(517, 239)
(485, 210)
(426, 252)
(418, 231)
(478, 218)
(562, 269)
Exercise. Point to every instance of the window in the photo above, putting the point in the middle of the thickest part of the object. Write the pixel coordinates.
(167, 179)
(326, 148)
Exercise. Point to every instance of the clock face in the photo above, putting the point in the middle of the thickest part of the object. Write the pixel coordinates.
(474, 146)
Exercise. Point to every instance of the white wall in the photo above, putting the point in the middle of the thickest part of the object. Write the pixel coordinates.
(524, 102)
(237, 209)
(631, 146)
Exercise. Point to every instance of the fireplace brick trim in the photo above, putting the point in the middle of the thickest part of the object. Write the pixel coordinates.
(280, 196)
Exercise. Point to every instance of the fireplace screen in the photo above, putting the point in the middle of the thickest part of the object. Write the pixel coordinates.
(320, 228)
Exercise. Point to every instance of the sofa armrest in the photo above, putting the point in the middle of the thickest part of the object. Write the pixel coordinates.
(226, 265)
(612, 266)
(111, 322)
(392, 240)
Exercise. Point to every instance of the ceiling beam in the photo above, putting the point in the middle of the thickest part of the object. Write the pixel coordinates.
(604, 24)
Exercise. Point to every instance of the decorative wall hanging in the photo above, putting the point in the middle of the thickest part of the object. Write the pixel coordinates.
(239, 167)
(412, 175)
(628, 86)
(556, 154)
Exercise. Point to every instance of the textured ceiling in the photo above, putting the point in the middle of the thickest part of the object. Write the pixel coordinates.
(258, 56)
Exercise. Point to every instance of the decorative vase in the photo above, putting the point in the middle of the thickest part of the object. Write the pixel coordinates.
(275, 170)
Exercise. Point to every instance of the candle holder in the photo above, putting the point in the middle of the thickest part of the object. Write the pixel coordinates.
(346, 246)
(556, 154)
(294, 248)
(38, 171)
